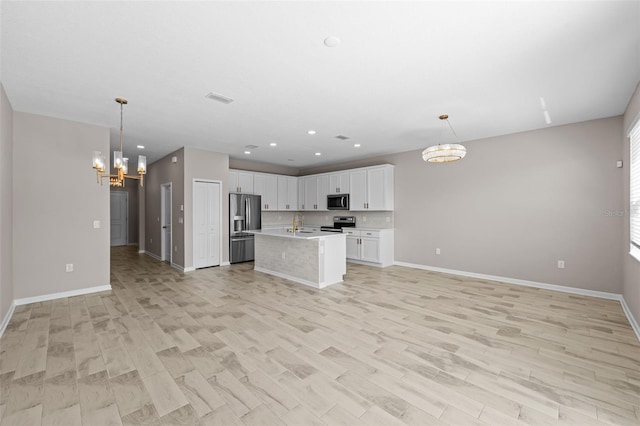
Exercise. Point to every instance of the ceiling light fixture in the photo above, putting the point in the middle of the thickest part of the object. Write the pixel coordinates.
(140, 146)
(311, 132)
(444, 153)
(120, 163)
(273, 144)
(356, 145)
(247, 152)
(318, 153)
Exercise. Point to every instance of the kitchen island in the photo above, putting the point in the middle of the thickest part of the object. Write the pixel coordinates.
(316, 259)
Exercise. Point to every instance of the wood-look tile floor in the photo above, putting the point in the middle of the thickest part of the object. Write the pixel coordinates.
(394, 346)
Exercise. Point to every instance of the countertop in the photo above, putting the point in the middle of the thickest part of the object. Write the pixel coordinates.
(301, 235)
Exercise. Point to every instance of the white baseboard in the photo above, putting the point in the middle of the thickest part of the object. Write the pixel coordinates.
(155, 256)
(517, 281)
(140, 251)
(227, 263)
(555, 287)
(189, 269)
(62, 294)
(7, 318)
(630, 317)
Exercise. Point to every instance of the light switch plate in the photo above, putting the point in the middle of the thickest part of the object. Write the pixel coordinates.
(96, 224)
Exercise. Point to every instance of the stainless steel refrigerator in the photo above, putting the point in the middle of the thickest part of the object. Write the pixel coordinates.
(244, 215)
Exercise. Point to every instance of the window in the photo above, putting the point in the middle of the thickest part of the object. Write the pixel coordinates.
(634, 196)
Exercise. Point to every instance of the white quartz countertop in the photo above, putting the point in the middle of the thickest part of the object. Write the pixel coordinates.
(302, 235)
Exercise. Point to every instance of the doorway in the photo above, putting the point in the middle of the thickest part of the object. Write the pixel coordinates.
(207, 223)
(165, 221)
(119, 206)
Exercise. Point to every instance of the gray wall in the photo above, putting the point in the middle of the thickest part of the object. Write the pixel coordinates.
(631, 266)
(201, 164)
(132, 189)
(515, 205)
(6, 198)
(55, 201)
(158, 173)
(256, 166)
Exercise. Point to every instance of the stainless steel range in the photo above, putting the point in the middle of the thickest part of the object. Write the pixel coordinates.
(340, 222)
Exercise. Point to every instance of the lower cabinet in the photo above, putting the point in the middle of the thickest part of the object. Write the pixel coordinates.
(368, 246)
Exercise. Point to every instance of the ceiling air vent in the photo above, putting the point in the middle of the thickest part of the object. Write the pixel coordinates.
(342, 137)
(218, 97)
(252, 146)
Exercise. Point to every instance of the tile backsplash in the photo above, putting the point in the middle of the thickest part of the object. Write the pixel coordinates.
(377, 220)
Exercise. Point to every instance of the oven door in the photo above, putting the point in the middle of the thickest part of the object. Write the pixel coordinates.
(338, 202)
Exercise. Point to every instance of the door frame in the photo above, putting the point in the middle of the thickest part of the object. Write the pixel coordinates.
(193, 218)
(126, 215)
(163, 242)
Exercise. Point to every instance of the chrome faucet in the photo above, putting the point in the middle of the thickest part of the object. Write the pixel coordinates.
(296, 223)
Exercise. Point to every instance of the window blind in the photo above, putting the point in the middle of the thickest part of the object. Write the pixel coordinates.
(634, 208)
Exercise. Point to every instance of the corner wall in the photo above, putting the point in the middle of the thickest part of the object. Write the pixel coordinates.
(158, 173)
(55, 201)
(6, 212)
(631, 266)
(201, 164)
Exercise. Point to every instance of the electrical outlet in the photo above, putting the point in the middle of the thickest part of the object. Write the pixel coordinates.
(560, 264)
(437, 251)
(69, 267)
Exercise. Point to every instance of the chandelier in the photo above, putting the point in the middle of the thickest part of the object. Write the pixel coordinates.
(444, 153)
(120, 163)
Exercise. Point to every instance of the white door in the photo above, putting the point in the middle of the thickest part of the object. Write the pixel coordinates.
(370, 249)
(323, 191)
(358, 184)
(206, 224)
(375, 189)
(165, 200)
(353, 247)
(119, 203)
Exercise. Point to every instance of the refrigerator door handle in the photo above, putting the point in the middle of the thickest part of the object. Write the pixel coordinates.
(248, 209)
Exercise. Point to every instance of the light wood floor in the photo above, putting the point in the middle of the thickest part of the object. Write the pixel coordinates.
(230, 346)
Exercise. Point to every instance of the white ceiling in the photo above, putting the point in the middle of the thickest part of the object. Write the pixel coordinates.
(399, 66)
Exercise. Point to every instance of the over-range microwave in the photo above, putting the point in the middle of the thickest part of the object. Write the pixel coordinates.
(338, 202)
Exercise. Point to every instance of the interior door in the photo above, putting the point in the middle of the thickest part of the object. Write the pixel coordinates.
(119, 226)
(165, 195)
(206, 222)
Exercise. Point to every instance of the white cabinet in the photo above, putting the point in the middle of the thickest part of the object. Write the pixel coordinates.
(314, 190)
(240, 181)
(339, 183)
(287, 193)
(373, 247)
(266, 185)
(371, 188)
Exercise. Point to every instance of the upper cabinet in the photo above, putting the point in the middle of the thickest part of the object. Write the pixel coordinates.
(266, 185)
(371, 188)
(287, 193)
(240, 181)
(339, 182)
(314, 190)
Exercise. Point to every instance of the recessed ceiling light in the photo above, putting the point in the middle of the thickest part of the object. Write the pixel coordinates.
(273, 144)
(318, 153)
(140, 146)
(332, 41)
(356, 145)
(247, 152)
(311, 132)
